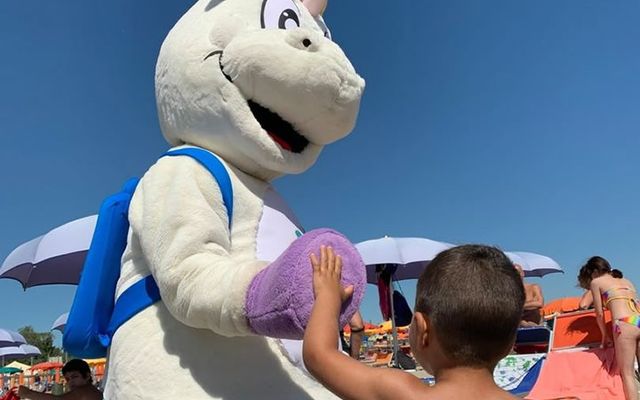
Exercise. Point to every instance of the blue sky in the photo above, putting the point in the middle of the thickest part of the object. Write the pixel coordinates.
(499, 122)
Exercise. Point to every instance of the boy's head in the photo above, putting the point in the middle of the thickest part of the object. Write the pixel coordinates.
(77, 373)
(469, 301)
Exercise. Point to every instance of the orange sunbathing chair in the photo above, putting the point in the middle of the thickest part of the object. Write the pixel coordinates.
(577, 329)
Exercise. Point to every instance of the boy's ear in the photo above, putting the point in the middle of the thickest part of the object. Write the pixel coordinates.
(423, 325)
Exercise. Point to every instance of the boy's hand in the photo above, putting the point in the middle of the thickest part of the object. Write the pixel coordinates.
(326, 275)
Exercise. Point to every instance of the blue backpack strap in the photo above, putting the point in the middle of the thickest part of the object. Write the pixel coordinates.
(145, 292)
(136, 298)
(215, 167)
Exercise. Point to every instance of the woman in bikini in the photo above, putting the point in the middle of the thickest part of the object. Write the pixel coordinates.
(610, 290)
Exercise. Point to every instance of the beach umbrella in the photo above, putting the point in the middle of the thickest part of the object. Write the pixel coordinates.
(16, 364)
(60, 322)
(47, 365)
(9, 370)
(410, 255)
(20, 351)
(56, 257)
(11, 338)
(534, 264)
(407, 256)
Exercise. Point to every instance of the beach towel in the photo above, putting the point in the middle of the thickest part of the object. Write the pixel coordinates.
(562, 305)
(587, 375)
(512, 369)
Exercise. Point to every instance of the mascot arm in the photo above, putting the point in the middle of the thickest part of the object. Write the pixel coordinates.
(180, 219)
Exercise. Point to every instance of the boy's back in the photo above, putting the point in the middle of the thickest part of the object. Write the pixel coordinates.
(468, 306)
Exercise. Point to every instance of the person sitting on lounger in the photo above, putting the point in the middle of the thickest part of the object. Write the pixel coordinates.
(534, 301)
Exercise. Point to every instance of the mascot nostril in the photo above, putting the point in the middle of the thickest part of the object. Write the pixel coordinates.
(228, 256)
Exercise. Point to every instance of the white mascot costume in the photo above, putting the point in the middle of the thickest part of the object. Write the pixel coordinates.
(260, 84)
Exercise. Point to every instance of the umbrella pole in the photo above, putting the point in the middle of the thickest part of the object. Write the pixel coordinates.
(394, 329)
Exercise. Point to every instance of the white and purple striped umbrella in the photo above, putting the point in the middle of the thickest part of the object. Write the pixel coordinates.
(410, 255)
(21, 351)
(56, 257)
(534, 264)
(11, 338)
(60, 323)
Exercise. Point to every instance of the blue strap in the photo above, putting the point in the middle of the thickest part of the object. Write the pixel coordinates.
(145, 292)
(136, 298)
(215, 167)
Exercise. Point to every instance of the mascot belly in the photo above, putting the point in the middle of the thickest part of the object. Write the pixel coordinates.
(259, 84)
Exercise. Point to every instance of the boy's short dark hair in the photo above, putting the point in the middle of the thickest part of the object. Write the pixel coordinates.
(77, 365)
(474, 298)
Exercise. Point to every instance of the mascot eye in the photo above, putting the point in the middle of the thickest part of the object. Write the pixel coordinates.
(280, 14)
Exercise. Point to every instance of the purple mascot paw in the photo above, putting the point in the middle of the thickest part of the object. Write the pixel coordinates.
(280, 297)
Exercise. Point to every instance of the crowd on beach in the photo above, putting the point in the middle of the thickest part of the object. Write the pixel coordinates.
(461, 328)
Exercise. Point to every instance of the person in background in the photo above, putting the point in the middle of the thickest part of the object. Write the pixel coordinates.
(77, 374)
(612, 291)
(356, 326)
(461, 328)
(534, 301)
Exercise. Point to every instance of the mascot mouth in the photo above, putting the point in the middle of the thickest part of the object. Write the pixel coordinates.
(281, 131)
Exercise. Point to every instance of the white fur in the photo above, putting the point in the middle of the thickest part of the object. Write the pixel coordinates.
(317, 89)
(196, 343)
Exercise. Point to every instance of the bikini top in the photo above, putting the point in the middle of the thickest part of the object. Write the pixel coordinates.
(621, 293)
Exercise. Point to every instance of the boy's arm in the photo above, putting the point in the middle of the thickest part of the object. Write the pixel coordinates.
(344, 376)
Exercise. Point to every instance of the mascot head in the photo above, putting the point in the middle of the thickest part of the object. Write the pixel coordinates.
(258, 82)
